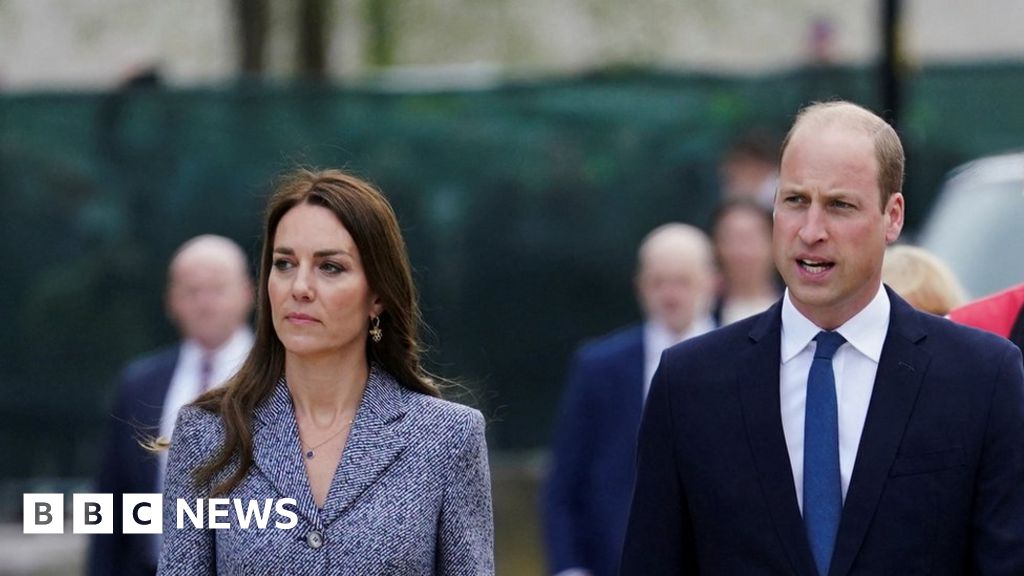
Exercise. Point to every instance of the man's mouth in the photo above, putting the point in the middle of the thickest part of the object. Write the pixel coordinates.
(815, 266)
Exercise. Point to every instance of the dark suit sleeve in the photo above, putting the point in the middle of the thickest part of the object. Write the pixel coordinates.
(190, 550)
(659, 539)
(563, 515)
(998, 531)
(465, 540)
(107, 552)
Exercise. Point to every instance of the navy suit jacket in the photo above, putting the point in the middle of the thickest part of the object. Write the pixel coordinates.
(587, 494)
(127, 467)
(937, 486)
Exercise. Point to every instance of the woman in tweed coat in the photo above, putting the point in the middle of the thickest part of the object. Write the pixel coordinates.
(332, 409)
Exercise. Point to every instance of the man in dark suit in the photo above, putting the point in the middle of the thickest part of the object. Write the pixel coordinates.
(209, 297)
(586, 499)
(841, 432)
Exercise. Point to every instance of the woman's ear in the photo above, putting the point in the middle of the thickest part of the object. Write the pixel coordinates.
(376, 306)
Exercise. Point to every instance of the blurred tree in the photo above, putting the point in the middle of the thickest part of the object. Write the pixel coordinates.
(380, 25)
(312, 38)
(252, 34)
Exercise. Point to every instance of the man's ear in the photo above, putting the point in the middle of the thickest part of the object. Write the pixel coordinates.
(894, 211)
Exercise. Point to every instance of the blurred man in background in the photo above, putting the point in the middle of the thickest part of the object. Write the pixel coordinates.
(209, 298)
(586, 499)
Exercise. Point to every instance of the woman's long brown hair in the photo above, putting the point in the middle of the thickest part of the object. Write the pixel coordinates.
(370, 220)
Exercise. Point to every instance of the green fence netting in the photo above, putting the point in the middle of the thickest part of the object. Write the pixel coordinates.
(522, 206)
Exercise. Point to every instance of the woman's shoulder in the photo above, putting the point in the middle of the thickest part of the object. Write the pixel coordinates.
(197, 425)
(443, 417)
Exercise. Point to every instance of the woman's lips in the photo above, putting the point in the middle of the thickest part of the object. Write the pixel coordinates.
(301, 318)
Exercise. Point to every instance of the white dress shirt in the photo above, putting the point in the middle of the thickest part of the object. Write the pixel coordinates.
(854, 364)
(185, 385)
(657, 337)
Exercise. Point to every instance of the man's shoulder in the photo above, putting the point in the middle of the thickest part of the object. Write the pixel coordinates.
(621, 342)
(727, 339)
(964, 342)
(152, 363)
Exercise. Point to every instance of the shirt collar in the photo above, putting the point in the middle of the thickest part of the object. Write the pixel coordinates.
(659, 337)
(866, 331)
(236, 347)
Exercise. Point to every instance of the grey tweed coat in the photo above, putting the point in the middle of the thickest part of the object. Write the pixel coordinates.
(412, 495)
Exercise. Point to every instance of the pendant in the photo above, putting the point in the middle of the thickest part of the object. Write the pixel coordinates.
(309, 455)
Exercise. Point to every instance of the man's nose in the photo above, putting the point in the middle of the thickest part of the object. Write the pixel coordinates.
(814, 227)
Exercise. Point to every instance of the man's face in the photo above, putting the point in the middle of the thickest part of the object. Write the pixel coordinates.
(830, 231)
(674, 287)
(209, 296)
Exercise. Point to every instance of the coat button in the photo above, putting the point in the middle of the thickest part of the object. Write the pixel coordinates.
(314, 539)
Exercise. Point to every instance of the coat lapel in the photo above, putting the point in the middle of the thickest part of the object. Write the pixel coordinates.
(633, 366)
(901, 368)
(375, 443)
(276, 451)
(759, 396)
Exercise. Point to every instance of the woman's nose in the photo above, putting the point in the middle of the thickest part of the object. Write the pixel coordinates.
(302, 288)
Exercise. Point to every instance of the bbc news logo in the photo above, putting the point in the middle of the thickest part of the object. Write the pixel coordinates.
(143, 513)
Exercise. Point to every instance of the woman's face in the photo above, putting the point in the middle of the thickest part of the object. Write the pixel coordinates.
(744, 243)
(320, 301)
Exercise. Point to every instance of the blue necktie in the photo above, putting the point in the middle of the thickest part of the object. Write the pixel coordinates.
(823, 492)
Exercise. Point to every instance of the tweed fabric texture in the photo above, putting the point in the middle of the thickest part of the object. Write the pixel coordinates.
(411, 495)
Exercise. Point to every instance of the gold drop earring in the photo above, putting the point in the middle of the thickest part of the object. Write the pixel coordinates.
(375, 332)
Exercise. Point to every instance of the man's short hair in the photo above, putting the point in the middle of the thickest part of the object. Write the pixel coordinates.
(888, 149)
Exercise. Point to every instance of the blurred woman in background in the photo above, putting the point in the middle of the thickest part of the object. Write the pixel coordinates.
(748, 283)
(921, 279)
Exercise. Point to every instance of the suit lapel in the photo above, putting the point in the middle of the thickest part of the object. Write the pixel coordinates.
(277, 454)
(901, 368)
(375, 443)
(633, 366)
(146, 415)
(759, 396)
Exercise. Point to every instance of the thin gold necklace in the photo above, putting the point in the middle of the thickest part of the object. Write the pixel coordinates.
(311, 450)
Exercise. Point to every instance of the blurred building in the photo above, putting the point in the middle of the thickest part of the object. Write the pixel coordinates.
(47, 44)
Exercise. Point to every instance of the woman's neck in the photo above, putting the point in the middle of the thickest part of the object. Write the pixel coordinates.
(326, 389)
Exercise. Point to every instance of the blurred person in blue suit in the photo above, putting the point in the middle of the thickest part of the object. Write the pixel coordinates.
(333, 410)
(209, 299)
(841, 432)
(587, 493)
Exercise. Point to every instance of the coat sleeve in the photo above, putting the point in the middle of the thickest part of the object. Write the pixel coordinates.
(188, 551)
(465, 538)
(107, 551)
(659, 539)
(564, 489)
(998, 527)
